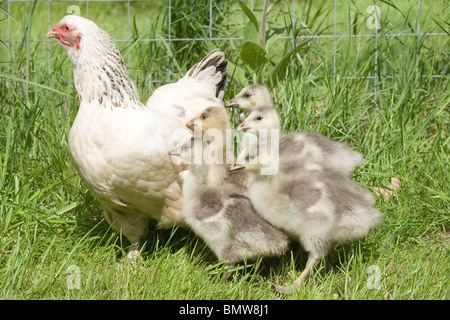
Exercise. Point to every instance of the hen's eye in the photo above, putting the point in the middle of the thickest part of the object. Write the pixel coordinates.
(66, 27)
(252, 157)
(258, 118)
(247, 95)
(203, 116)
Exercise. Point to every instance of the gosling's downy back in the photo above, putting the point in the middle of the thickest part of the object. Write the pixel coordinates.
(321, 149)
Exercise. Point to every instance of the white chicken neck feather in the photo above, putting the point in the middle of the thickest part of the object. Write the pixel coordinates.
(99, 72)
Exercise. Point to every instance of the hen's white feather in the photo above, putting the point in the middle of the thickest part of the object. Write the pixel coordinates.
(202, 86)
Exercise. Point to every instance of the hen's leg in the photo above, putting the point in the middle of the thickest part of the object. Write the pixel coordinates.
(133, 227)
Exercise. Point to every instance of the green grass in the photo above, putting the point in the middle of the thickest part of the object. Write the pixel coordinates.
(49, 221)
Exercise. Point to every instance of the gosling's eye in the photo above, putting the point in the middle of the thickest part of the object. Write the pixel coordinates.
(203, 116)
(185, 147)
(258, 118)
(252, 157)
(247, 95)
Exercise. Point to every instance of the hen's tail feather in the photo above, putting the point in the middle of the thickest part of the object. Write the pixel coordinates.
(218, 60)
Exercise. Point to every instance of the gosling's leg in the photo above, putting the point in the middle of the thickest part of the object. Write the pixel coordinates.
(227, 274)
(311, 263)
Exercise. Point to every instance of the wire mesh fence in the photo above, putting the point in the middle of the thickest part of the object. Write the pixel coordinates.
(417, 23)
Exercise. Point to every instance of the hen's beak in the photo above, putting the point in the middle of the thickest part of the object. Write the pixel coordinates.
(51, 34)
(174, 153)
(236, 166)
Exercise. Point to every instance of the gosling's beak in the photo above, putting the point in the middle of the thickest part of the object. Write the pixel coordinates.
(242, 127)
(174, 153)
(231, 104)
(236, 166)
(190, 125)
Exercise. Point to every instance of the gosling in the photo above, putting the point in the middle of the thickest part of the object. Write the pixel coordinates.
(313, 203)
(213, 125)
(251, 98)
(225, 220)
(336, 154)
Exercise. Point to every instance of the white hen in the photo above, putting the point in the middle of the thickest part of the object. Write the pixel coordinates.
(119, 146)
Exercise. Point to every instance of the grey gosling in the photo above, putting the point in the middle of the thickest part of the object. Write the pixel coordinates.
(251, 98)
(336, 154)
(213, 125)
(310, 201)
(225, 220)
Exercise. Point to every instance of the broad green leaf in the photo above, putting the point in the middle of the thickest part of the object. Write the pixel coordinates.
(272, 35)
(253, 55)
(249, 14)
(251, 34)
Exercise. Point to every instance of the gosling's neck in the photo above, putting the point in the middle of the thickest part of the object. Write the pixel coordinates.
(200, 173)
(222, 153)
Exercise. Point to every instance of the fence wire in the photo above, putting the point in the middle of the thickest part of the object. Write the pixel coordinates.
(251, 3)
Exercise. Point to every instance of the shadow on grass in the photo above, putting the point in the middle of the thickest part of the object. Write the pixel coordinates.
(171, 241)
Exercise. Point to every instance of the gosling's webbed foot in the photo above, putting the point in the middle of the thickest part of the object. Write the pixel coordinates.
(285, 289)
